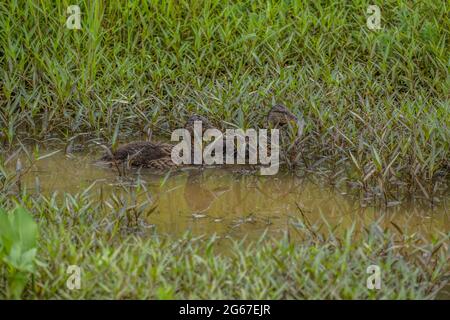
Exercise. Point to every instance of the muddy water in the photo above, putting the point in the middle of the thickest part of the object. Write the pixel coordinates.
(228, 202)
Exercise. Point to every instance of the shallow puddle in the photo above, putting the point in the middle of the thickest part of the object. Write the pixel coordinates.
(229, 202)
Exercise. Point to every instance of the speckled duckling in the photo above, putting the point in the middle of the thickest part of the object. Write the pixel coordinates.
(149, 154)
(157, 155)
(281, 118)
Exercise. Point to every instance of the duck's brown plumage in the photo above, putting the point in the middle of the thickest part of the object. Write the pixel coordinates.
(149, 154)
(158, 155)
(142, 154)
(280, 116)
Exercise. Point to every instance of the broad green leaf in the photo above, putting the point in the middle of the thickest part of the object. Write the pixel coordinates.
(18, 241)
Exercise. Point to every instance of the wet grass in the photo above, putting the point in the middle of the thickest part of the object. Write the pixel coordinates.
(119, 258)
(375, 103)
(377, 117)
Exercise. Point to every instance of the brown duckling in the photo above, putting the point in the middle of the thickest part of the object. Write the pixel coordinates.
(281, 118)
(145, 154)
(149, 154)
(278, 117)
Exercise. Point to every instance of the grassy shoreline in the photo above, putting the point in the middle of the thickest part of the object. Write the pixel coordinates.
(119, 260)
(376, 107)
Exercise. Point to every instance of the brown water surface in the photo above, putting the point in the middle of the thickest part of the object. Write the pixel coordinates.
(229, 202)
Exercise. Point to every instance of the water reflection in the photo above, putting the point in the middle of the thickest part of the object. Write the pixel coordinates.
(232, 202)
(197, 196)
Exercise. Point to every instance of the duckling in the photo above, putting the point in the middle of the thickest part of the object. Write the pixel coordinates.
(145, 154)
(206, 124)
(149, 154)
(281, 118)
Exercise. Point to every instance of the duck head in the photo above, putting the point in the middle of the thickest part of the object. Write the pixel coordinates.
(206, 124)
(280, 117)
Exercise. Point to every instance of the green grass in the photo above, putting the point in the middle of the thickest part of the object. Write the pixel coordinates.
(308, 262)
(382, 125)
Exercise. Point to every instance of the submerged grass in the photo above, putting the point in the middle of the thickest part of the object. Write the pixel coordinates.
(375, 103)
